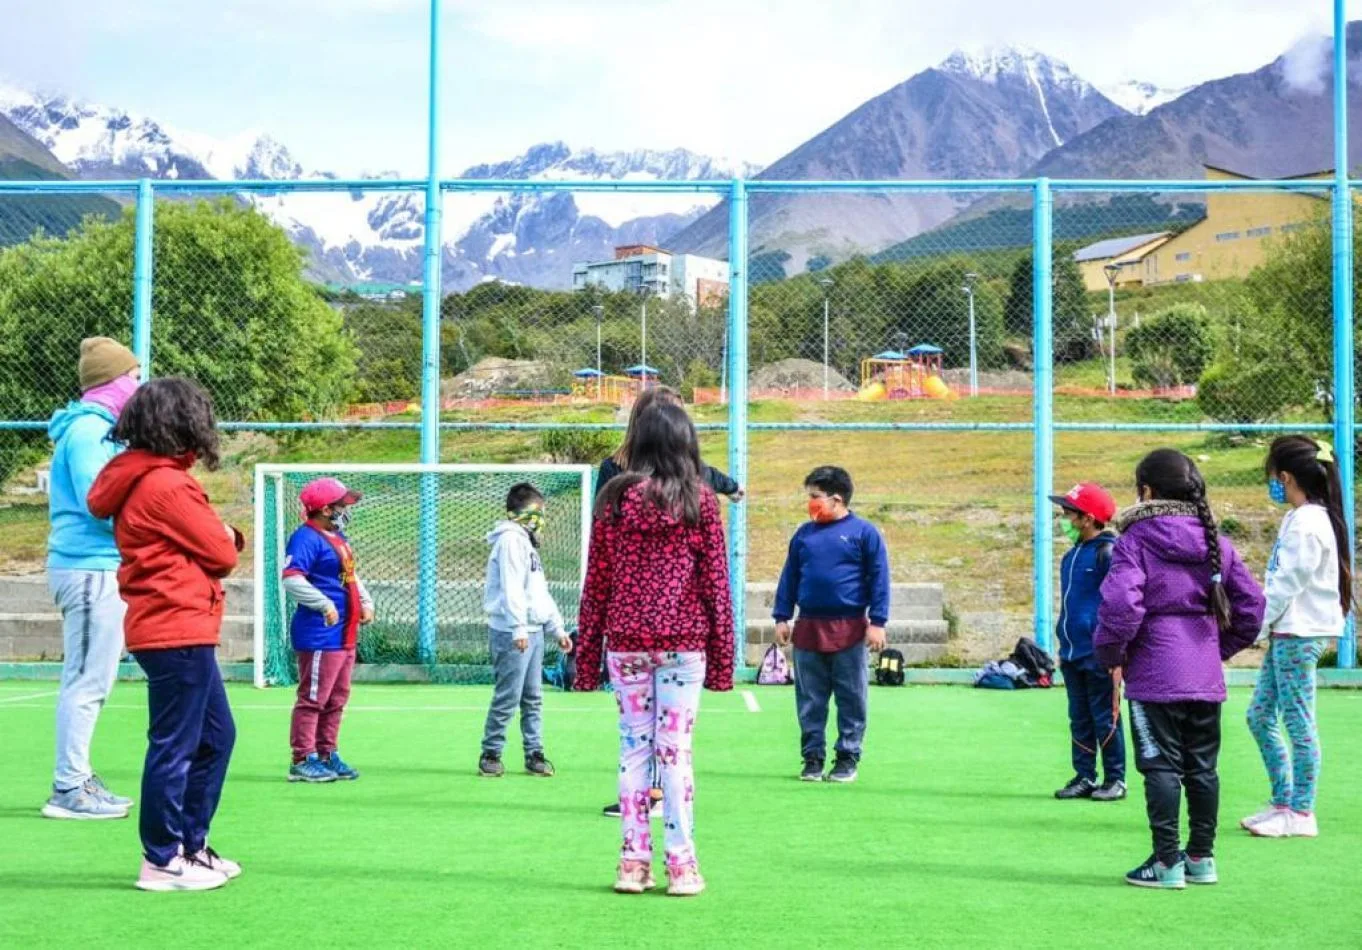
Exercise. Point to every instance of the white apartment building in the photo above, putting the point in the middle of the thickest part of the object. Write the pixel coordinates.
(642, 269)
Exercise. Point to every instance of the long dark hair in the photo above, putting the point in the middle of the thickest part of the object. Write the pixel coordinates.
(646, 399)
(1318, 479)
(665, 454)
(170, 416)
(1170, 475)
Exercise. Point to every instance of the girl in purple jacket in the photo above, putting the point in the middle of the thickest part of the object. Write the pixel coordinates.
(1177, 602)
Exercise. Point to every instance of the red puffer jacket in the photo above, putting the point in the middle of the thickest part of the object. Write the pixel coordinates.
(174, 546)
(655, 583)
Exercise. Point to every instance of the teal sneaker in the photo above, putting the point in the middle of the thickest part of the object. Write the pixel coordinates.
(1200, 870)
(311, 770)
(344, 772)
(1154, 873)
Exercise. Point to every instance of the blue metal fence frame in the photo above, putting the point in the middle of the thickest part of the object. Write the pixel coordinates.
(1043, 425)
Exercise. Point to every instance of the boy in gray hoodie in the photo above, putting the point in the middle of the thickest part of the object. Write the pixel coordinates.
(520, 613)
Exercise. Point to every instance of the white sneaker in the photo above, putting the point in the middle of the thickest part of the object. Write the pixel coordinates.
(1276, 825)
(208, 858)
(179, 875)
(1300, 825)
(1263, 815)
(82, 804)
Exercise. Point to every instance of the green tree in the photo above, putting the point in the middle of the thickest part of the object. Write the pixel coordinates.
(1171, 348)
(1072, 322)
(231, 310)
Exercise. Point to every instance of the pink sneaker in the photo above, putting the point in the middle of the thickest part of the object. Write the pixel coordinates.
(1276, 825)
(685, 883)
(634, 877)
(179, 875)
(208, 858)
(1248, 823)
(1303, 825)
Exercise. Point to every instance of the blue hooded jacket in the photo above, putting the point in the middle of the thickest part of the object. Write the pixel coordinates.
(78, 540)
(1081, 573)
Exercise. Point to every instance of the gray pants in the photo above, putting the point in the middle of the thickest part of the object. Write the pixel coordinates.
(520, 679)
(820, 676)
(92, 642)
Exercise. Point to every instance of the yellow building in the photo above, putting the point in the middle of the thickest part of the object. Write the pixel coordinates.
(1125, 254)
(1237, 232)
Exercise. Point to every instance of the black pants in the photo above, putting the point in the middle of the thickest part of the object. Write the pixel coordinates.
(190, 736)
(1176, 747)
(1091, 726)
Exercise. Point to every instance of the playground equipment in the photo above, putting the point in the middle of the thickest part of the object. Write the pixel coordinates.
(912, 374)
(595, 386)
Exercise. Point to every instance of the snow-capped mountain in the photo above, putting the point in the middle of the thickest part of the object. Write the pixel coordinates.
(378, 235)
(1141, 98)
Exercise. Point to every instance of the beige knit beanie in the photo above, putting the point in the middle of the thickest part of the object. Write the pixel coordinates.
(103, 360)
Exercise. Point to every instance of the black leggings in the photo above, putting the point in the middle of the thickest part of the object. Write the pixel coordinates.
(1176, 747)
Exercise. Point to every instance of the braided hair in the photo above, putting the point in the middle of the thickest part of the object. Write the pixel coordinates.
(1317, 478)
(1170, 475)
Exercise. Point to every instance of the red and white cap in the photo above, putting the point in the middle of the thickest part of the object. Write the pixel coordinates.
(319, 493)
(1088, 498)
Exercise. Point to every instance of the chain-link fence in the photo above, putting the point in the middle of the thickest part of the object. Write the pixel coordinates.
(889, 329)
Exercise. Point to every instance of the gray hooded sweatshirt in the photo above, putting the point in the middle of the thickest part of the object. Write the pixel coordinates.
(517, 598)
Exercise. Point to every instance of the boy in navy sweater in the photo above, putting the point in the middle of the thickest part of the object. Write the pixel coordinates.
(837, 574)
(1094, 724)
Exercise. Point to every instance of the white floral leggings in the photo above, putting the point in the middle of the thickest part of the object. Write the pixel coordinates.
(659, 696)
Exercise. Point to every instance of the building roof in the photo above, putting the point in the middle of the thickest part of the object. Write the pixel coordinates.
(1115, 247)
(1269, 170)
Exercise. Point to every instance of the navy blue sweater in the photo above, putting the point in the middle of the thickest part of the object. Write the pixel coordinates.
(1080, 594)
(834, 570)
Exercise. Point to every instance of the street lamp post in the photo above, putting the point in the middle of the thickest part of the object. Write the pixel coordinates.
(826, 283)
(1112, 270)
(643, 333)
(599, 311)
(968, 290)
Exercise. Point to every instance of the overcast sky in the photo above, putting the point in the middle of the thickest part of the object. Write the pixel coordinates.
(342, 82)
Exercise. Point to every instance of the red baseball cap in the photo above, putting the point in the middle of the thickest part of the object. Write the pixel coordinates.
(321, 492)
(1088, 498)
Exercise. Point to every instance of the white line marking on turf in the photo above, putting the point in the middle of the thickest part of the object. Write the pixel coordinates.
(751, 701)
(16, 699)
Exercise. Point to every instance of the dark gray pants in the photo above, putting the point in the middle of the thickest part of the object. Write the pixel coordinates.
(520, 678)
(820, 676)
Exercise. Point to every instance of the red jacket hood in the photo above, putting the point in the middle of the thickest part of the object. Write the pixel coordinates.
(116, 480)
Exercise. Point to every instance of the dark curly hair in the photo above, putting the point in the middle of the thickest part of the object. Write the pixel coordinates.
(172, 416)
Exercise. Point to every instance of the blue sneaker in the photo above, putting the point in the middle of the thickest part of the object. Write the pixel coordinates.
(312, 770)
(338, 765)
(1200, 870)
(1154, 873)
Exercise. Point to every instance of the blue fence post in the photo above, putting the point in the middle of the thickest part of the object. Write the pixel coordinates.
(1043, 462)
(142, 269)
(737, 409)
(1344, 405)
(428, 558)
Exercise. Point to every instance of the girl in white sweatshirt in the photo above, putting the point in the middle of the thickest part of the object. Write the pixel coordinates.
(1309, 592)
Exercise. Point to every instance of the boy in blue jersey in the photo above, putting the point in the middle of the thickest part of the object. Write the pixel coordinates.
(320, 577)
(1094, 725)
(837, 574)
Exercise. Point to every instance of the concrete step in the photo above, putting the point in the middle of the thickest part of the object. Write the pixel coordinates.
(898, 633)
(913, 653)
(907, 601)
(37, 636)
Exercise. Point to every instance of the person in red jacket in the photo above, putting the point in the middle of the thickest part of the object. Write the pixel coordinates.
(175, 551)
(657, 600)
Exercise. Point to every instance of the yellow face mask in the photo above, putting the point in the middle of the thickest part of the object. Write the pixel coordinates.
(531, 519)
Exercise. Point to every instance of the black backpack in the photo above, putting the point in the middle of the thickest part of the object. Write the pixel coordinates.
(1039, 666)
(889, 668)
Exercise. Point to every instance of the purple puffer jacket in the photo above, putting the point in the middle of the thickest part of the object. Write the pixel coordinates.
(1156, 619)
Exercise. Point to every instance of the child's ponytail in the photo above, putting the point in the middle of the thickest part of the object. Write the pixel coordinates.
(1220, 601)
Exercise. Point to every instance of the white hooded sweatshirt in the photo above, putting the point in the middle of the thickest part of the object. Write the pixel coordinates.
(1302, 577)
(517, 598)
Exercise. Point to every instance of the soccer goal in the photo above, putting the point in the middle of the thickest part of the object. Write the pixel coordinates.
(419, 537)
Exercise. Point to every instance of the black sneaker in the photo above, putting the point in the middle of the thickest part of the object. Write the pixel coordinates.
(844, 769)
(612, 810)
(1110, 792)
(813, 770)
(489, 765)
(1154, 873)
(536, 764)
(1078, 787)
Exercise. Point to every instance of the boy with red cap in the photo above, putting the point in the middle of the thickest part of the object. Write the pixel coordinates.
(320, 577)
(1094, 722)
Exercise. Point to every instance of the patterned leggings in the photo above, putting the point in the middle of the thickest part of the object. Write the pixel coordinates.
(658, 695)
(1286, 691)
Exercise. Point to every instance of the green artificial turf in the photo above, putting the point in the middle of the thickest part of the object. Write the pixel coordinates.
(949, 839)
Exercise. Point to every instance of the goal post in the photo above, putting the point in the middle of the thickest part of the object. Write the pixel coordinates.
(444, 640)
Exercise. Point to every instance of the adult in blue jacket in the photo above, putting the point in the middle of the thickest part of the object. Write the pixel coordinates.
(82, 565)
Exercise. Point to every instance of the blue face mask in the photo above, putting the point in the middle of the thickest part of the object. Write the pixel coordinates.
(1276, 490)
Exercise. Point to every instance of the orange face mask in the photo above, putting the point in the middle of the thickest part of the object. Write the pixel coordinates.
(821, 510)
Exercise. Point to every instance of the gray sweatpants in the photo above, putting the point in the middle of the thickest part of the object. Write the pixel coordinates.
(92, 642)
(519, 686)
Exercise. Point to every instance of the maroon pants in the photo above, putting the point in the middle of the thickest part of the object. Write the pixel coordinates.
(323, 690)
